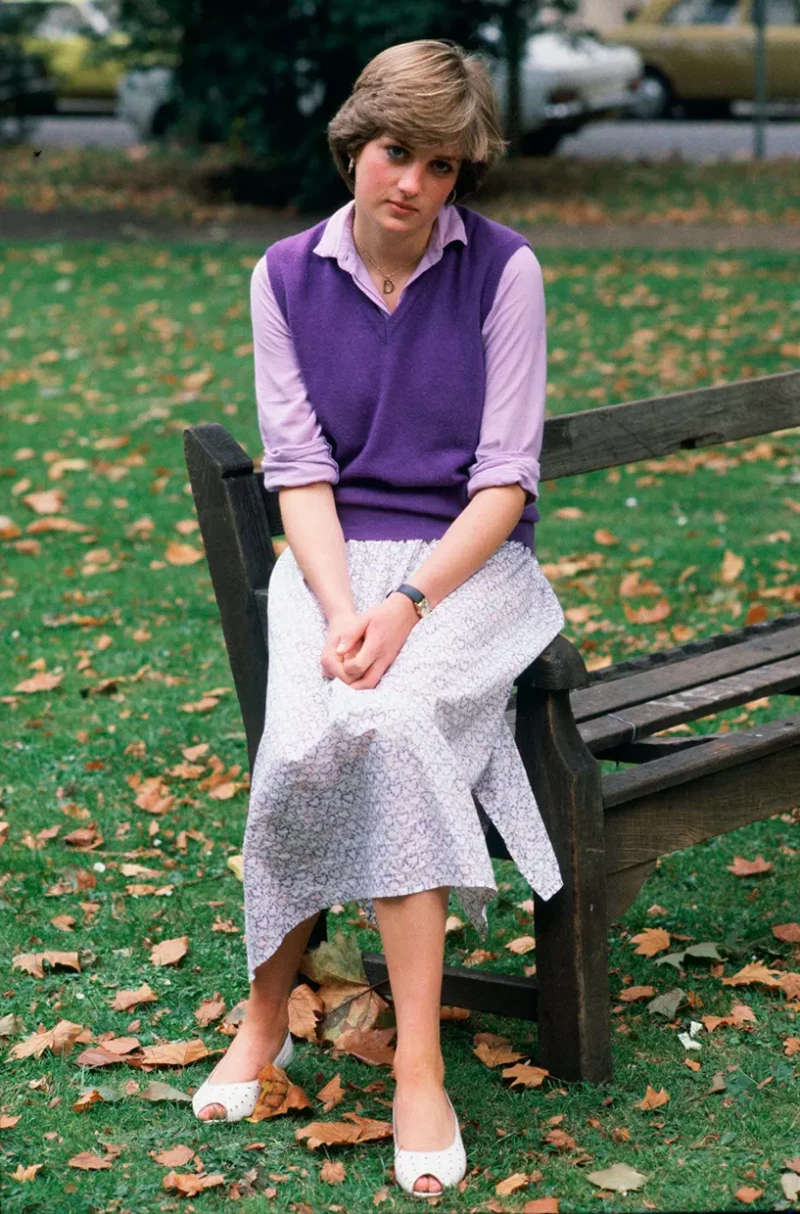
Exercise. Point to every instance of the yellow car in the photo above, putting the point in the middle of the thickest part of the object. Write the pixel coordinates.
(700, 54)
(70, 36)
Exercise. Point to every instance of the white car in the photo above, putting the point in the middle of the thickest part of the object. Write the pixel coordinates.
(144, 98)
(569, 78)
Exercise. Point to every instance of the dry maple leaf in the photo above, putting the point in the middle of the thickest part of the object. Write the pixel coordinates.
(522, 944)
(86, 1100)
(632, 993)
(331, 1094)
(747, 1194)
(39, 682)
(791, 985)
(791, 1046)
(306, 1010)
(124, 1000)
(278, 1095)
(210, 1010)
(653, 1099)
(59, 1040)
(651, 941)
(748, 868)
(25, 1172)
(541, 1205)
(169, 952)
(88, 1161)
(494, 1050)
(31, 963)
(788, 932)
(368, 1045)
(189, 1184)
(505, 1188)
(332, 1171)
(49, 501)
(170, 1053)
(756, 971)
(560, 1139)
(337, 1133)
(174, 1157)
(182, 554)
(8, 1120)
(525, 1074)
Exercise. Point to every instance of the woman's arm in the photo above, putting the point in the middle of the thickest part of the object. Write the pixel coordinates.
(315, 537)
(505, 474)
(470, 540)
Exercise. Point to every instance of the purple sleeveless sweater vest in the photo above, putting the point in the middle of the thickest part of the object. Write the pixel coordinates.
(399, 396)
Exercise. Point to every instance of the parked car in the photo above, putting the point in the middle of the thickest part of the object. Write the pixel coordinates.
(568, 79)
(70, 37)
(145, 99)
(25, 87)
(699, 55)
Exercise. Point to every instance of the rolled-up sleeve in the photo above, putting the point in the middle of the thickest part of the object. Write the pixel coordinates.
(296, 451)
(515, 351)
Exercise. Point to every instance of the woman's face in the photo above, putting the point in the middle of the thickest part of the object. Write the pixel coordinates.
(388, 171)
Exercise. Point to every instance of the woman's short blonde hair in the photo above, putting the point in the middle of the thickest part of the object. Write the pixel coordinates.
(426, 92)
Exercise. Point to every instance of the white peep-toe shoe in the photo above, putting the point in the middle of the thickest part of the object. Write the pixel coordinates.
(238, 1099)
(448, 1165)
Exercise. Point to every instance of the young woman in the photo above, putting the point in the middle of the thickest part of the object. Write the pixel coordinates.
(400, 364)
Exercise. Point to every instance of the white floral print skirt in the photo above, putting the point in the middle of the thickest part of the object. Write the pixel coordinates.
(357, 794)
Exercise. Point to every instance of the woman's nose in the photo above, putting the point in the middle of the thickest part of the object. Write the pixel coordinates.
(411, 179)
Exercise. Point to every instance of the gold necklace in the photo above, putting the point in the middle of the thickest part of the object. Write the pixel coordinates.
(388, 285)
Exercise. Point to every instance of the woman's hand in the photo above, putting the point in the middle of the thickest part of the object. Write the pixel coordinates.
(360, 647)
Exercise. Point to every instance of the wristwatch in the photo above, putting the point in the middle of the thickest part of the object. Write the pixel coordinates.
(417, 598)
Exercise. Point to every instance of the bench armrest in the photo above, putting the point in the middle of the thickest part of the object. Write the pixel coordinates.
(559, 667)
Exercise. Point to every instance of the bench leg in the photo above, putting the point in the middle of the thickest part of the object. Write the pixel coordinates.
(570, 928)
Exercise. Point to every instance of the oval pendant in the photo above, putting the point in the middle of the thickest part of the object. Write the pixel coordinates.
(388, 286)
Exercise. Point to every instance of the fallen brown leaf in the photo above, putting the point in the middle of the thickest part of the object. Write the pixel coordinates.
(337, 1133)
(169, 952)
(32, 963)
(174, 1157)
(748, 868)
(653, 1099)
(59, 1040)
(494, 1050)
(651, 941)
(189, 1184)
(88, 1161)
(124, 1000)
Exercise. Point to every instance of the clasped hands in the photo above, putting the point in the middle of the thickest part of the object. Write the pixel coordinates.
(361, 646)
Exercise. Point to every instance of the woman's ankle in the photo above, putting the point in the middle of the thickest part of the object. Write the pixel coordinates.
(419, 1068)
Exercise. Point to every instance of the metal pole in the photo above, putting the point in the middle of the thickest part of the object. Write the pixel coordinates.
(759, 113)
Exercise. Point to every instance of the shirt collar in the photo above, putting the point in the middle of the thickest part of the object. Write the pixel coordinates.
(337, 237)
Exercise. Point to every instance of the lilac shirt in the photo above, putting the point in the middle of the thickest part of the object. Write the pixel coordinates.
(296, 451)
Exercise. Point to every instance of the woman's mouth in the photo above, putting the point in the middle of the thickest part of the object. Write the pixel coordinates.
(403, 210)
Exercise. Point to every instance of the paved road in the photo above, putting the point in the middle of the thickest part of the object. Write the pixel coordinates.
(694, 141)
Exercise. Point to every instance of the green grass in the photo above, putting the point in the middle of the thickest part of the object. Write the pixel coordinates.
(99, 343)
(183, 184)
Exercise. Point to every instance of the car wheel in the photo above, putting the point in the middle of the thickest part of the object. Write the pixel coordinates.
(164, 117)
(540, 143)
(656, 97)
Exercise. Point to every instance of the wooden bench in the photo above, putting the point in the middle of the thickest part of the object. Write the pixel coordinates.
(609, 830)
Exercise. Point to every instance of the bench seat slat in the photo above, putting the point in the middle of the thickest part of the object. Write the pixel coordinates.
(690, 704)
(721, 752)
(680, 676)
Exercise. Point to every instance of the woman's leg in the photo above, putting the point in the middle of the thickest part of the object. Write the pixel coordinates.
(263, 1030)
(412, 933)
